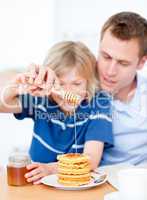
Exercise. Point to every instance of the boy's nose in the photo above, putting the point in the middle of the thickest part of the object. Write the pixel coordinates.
(67, 88)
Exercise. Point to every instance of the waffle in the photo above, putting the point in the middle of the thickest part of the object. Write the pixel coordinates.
(73, 169)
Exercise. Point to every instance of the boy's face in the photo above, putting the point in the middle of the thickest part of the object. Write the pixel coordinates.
(118, 62)
(72, 82)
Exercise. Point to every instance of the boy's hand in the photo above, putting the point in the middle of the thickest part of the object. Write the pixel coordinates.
(39, 80)
(38, 171)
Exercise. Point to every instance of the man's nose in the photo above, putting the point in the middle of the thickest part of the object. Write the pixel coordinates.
(112, 68)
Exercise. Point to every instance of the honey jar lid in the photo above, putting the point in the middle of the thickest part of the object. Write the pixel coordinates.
(19, 160)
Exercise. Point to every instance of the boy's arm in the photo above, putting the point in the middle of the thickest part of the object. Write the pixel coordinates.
(9, 101)
(94, 149)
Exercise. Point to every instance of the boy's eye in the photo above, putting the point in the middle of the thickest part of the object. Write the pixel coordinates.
(74, 84)
(62, 84)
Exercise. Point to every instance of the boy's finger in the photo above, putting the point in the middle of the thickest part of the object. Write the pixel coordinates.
(32, 166)
(40, 79)
(38, 92)
(32, 70)
(37, 182)
(32, 87)
(35, 178)
(32, 173)
(20, 78)
(50, 79)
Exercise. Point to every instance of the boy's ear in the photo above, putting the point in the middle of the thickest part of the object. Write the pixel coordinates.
(142, 62)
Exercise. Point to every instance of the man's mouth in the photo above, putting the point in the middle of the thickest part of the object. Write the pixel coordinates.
(108, 82)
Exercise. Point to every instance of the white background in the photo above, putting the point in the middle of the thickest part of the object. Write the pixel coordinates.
(28, 28)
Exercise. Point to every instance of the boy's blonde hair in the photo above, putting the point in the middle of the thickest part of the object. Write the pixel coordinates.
(69, 54)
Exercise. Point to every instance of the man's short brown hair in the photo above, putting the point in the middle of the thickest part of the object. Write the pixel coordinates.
(126, 26)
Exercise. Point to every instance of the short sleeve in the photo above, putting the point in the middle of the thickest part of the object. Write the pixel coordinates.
(28, 103)
(100, 120)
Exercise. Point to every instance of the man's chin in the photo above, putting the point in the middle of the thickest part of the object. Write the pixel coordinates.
(108, 89)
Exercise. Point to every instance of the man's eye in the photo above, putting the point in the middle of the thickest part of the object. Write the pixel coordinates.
(124, 64)
(106, 57)
(77, 84)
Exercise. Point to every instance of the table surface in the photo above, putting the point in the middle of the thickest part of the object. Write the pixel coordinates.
(38, 192)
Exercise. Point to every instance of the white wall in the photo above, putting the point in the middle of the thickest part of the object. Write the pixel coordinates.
(13, 134)
(26, 31)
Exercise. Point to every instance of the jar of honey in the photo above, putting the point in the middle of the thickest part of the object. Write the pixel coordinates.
(16, 169)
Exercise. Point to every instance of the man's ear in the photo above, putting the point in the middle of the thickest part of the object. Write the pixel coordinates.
(142, 62)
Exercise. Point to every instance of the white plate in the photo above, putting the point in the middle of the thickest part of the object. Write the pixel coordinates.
(112, 196)
(51, 180)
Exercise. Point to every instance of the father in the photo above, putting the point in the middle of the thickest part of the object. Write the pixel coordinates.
(122, 52)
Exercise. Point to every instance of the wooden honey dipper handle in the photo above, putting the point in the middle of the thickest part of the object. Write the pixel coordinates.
(67, 96)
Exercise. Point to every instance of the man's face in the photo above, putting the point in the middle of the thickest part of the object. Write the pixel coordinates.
(118, 62)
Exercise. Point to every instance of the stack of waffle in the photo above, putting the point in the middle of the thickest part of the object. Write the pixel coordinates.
(73, 169)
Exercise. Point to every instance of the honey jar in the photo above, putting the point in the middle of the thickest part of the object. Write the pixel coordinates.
(16, 169)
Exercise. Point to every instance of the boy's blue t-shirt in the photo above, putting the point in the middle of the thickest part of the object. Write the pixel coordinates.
(54, 132)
